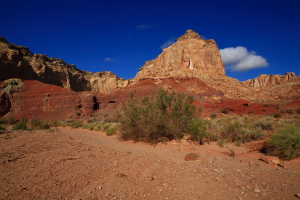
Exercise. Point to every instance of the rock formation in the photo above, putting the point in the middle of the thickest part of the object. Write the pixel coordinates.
(271, 80)
(191, 65)
(106, 82)
(189, 56)
(33, 99)
(18, 62)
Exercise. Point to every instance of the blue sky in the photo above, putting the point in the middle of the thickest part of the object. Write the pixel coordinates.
(120, 35)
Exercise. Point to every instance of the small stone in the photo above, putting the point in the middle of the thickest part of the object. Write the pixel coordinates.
(276, 162)
(297, 195)
(257, 190)
(191, 156)
(216, 170)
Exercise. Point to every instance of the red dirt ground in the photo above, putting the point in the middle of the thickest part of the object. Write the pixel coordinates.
(66, 163)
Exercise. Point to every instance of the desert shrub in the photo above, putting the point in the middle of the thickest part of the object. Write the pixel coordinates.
(197, 130)
(277, 115)
(20, 125)
(264, 110)
(221, 142)
(56, 123)
(265, 105)
(37, 124)
(238, 130)
(76, 124)
(225, 111)
(89, 126)
(233, 130)
(298, 110)
(289, 111)
(213, 115)
(150, 118)
(285, 143)
(264, 124)
(10, 121)
(250, 111)
(200, 110)
(91, 120)
(2, 128)
(254, 134)
(111, 131)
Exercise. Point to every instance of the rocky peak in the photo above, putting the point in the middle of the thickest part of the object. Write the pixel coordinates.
(189, 34)
(189, 56)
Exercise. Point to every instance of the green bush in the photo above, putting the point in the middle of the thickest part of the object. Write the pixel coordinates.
(37, 124)
(111, 131)
(238, 130)
(20, 125)
(150, 118)
(213, 115)
(89, 126)
(10, 121)
(233, 130)
(2, 128)
(264, 124)
(277, 115)
(225, 111)
(285, 143)
(197, 130)
(289, 111)
(76, 124)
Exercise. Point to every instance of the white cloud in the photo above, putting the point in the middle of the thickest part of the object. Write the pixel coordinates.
(240, 59)
(108, 59)
(168, 43)
(143, 27)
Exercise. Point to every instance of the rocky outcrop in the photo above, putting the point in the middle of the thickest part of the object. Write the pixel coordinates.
(18, 62)
(33, 99)
(189, 56)
(271, 80)
(106, 82)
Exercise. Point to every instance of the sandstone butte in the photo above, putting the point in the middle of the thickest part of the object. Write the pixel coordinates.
(37, 86)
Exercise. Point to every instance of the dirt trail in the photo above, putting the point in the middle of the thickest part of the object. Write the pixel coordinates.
(69, 163)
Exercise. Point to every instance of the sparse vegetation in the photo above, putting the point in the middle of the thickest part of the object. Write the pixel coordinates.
(250, 111)
(298, 110)
(163, 115)
(76, 124)
(20, 125)
(285, 143)
(277, 115)
(224, 111)
(2, 128)
(111, 131)
(88, 126)
(289, 111)
(32, 124)
(213, 115)
(197, 130)
(37, 124)
(264, 124)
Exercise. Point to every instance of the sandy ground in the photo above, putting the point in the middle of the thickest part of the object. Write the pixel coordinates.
(66, 163)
